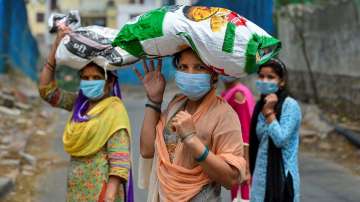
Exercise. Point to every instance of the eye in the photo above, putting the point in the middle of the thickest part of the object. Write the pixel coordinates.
(181, 67)
(97, 78)
(261, 76)
(84, 78)
(201, 67)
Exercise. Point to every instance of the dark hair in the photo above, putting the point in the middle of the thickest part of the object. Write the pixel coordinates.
(177, 56)
(279, 68)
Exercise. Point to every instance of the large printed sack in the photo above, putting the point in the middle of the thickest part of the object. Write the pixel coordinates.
(92, 44)
(88, 44)
(224, 40)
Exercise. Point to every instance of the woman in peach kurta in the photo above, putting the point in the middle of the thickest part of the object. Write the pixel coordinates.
(194, 144)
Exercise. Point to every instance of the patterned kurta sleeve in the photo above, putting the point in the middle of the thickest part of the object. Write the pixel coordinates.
(118, 148)
(57, 97)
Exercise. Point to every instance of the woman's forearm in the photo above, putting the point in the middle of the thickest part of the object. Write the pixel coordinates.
(148, 133)
(217, 169)
(47, 74)
(112, 187)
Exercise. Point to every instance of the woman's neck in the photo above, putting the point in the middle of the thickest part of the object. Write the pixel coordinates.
(191, 105)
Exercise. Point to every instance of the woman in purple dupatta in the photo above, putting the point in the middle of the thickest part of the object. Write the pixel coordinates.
(106, 174)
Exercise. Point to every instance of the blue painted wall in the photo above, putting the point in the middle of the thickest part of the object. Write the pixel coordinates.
(18, 48)
(258, 11)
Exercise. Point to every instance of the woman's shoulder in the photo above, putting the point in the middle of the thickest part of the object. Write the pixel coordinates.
(238, 88)
(222, 108)
(223, 116)
(290, 101)
(291, 104)
(116, 103)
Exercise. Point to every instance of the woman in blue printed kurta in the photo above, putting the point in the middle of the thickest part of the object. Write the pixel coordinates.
(274, 147)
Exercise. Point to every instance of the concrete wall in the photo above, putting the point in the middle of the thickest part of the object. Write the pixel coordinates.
(331, 36)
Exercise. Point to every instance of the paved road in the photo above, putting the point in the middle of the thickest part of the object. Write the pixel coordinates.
(321, 179)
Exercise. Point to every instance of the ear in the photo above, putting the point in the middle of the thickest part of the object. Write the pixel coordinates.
(110, 83)
(282, 84)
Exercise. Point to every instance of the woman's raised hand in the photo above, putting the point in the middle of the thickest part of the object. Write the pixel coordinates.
(153, 81)
(62, 31)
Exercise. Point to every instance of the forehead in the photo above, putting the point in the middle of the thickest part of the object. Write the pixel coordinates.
(267, 70)
(189, 57)
(91, 69)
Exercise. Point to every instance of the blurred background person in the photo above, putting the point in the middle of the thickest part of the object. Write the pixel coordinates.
(274, 139)
(241, 99)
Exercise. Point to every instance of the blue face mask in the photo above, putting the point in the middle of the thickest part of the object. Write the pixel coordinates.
(266, 87)
(93, 89)
(227, 79)
(194, 86)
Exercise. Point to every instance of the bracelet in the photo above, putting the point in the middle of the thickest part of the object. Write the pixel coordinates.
(50, 66)
(153, 102)
(155, 108)
(158, 105)
(203, 155)
(187, 136)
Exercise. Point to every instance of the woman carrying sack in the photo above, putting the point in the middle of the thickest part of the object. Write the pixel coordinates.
(97, 135)
(195, 143)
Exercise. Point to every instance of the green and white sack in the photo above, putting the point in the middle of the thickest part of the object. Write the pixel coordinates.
(224, 40)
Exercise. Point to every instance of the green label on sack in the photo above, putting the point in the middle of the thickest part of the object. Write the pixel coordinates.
(229, 39)
(260, 49)
(147, 26)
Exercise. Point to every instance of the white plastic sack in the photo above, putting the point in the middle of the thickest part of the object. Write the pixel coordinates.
(87, 44)
(92, 44)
